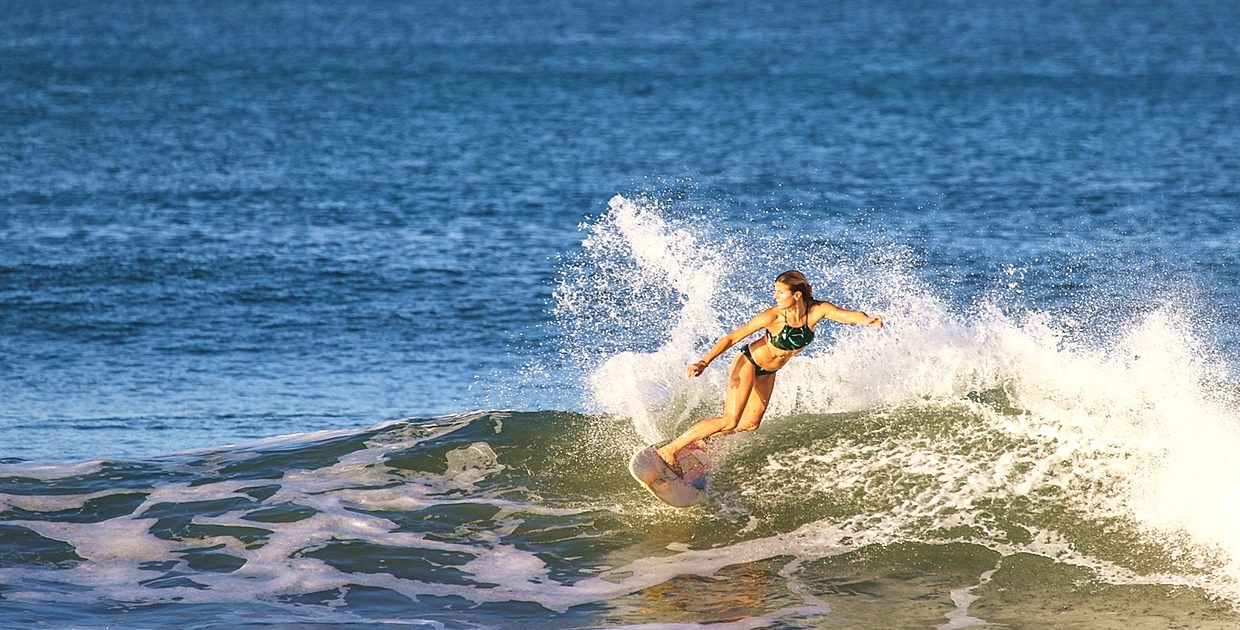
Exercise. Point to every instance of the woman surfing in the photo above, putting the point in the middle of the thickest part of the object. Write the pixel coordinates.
(789, 327)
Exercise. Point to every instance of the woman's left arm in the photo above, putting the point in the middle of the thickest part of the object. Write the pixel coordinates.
(846, 316)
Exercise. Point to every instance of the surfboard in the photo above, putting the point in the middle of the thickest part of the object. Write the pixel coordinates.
(677, 490)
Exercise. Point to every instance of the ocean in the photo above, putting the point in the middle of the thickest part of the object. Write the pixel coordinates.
(327, 315)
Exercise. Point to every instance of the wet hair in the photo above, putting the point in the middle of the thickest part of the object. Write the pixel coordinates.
(796, 281)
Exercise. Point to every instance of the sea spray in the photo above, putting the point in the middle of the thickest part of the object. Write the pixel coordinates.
(642, 277)
(657, 284)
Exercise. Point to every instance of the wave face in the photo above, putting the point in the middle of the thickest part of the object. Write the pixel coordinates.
(928, 514)
(1101, 445)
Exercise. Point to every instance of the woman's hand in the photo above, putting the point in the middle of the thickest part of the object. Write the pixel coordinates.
(696, 369)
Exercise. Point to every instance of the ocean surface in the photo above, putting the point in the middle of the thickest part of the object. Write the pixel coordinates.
(328, 314)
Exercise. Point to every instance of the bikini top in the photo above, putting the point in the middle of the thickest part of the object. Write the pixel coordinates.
(792, 338)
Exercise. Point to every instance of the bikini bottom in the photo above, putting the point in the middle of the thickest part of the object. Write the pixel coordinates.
(757, 369)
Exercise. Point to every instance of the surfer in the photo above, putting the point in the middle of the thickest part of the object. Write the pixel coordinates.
(789, 327)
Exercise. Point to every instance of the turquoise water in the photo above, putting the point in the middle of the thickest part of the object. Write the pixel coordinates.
(352, 314)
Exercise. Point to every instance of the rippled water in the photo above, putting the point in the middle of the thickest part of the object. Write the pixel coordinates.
(222, 223)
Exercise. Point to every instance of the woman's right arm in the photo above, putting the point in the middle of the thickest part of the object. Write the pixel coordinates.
(760, 321)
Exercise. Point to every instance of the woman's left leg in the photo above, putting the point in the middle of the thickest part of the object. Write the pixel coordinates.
(755, 407)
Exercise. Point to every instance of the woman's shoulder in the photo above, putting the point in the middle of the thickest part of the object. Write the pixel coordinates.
(818, 310)
(770, 311)
(767, 316)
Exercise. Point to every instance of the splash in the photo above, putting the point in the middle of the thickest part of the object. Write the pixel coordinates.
(657, 284)
(643, 276)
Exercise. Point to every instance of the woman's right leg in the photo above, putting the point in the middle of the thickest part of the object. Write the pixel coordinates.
(740, 382)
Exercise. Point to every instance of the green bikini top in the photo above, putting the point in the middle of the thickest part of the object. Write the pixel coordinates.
(792, 338)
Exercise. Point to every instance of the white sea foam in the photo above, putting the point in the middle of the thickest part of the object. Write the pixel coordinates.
(121, 556)
(963, 598)
(48, 471)
(50, 503)
(655, 261)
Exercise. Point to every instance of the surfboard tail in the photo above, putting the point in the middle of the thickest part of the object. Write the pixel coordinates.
(665, 483)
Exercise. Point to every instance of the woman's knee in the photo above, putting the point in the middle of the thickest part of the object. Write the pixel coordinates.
(749, 424)
(751, 420)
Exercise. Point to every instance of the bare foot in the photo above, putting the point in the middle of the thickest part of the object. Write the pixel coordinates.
(668, 457)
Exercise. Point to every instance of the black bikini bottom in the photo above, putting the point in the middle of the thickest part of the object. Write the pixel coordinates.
(757, 369)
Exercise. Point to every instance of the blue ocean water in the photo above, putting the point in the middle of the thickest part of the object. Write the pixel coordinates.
(227, 221)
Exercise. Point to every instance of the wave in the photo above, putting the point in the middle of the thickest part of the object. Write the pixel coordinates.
(1012, 425)
(478, 513)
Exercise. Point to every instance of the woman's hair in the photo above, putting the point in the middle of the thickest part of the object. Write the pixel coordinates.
(796, 282)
